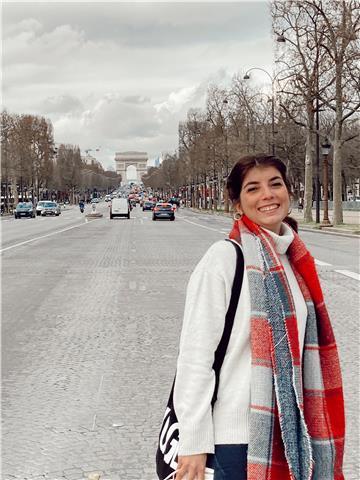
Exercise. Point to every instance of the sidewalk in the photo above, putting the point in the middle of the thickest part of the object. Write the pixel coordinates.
(351, 226)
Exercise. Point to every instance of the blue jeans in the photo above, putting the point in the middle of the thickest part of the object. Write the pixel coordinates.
(229, 462)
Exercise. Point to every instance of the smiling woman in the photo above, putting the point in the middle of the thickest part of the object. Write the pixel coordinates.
(281, 349)
(259, 188)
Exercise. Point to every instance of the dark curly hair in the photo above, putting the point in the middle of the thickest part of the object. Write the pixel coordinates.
(244, 165)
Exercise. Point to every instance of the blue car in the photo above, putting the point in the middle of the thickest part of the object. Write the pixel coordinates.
(24, 209)
(163, 210)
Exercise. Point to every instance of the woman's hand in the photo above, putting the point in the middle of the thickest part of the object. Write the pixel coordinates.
(191, 467)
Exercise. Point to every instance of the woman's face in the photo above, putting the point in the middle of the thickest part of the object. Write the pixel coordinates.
(264, 198)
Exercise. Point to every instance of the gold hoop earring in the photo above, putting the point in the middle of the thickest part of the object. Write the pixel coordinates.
(237, 215)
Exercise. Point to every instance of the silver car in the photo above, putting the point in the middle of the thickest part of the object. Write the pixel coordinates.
(50, 208)
(40, 206)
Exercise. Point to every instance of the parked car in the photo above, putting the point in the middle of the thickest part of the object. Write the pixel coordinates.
(24, 209)
(163, 210)
(148, 206)
(119, 207)
(107, 198)
(51, 209)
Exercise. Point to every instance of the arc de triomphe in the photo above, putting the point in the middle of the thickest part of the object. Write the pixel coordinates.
(124, 160)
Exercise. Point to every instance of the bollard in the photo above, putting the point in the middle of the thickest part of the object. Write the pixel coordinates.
(94, 213)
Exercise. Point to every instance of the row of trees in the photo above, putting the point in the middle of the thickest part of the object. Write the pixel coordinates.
(320, 73)
(32, 166)
(315, 95)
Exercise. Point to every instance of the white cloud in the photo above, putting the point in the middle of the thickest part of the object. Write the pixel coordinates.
(62, 104)
(114, 118)
(176, 100)
(28, 25)
(122, 75)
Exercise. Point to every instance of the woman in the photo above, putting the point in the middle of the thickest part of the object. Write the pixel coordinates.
(279, 412)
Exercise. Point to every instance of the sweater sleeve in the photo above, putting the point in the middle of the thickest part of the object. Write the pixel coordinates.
(203, 324)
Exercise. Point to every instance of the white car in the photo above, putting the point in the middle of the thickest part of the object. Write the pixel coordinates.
(51, 209)
(41, 206)
(119, 208)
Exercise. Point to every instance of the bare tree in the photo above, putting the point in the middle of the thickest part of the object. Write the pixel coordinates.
(8, 166)
(304, 63)
(341, 43)
(68, 168)
(321, 56)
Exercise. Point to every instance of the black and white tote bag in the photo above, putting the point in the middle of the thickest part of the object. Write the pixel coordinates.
(168, 445)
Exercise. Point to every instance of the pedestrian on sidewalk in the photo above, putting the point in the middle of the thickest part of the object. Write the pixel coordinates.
(300, 204)
(279, 412)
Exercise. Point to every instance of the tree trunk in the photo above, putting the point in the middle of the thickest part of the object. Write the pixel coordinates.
(308, 194)
(205, 193)
(337, 180)
(220, 191)
(14, 191)
(226, 198)
(216, 194)
(211, 205)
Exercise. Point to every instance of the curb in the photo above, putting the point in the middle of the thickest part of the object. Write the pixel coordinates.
(326, 230)
(337, 231)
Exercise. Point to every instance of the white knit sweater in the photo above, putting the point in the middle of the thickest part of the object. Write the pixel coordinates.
(207, 299)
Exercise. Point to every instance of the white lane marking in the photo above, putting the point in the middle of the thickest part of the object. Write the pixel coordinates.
(322, 264)
(202, 226)
(353, 275)
(38, 238)
(347, 273)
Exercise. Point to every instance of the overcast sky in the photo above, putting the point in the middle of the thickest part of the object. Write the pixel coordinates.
(120, 76)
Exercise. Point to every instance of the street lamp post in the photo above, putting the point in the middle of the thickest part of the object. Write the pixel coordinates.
(226, 196)
(317, 153)
(325, 149)
(272, 80)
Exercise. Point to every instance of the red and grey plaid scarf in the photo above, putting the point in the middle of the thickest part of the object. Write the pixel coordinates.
(297, 424)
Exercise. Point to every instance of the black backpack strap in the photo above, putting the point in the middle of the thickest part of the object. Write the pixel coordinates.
(229, 317)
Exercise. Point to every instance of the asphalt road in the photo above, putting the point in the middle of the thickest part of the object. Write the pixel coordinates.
(90, 325)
